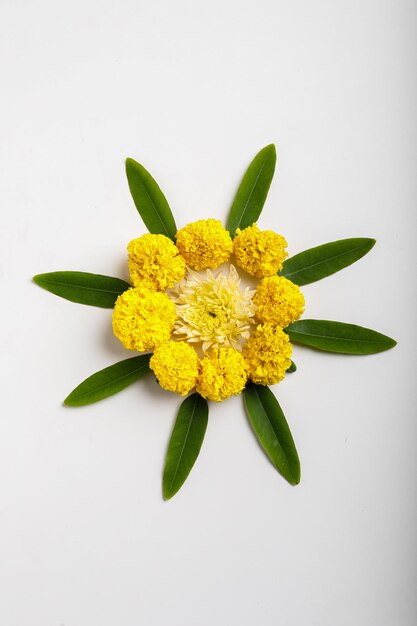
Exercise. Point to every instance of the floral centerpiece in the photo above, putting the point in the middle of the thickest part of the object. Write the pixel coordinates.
(213, 311)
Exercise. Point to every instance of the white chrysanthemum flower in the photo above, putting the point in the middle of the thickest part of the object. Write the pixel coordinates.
(213, 308)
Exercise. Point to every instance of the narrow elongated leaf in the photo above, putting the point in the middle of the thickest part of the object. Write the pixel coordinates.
(271, 428)
(253, 190)
(109, 381)
(150, 201)
(82, 287)
(185, 443)
(292, 368)
(317, 263)
(338, 337)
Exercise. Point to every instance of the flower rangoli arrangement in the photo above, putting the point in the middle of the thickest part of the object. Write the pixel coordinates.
(214, 311)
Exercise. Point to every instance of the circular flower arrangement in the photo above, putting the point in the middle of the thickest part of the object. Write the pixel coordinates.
(215, 310)
(209, 332)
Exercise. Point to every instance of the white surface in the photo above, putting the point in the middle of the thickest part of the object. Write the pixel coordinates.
(193, 89)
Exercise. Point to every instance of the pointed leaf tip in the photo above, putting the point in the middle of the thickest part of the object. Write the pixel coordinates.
(338, 337)
(317, 263)
(272, 430)
(109, 381)
(149, 200)
(185, 443)
(83, 287)
(253, 190)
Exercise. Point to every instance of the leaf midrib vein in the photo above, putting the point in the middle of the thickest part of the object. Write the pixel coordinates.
(183, 445)
(115, 380)
(328, 260)
(252, 191)
(297, 332)
(273, 430)
(54, 282)
(153, 203)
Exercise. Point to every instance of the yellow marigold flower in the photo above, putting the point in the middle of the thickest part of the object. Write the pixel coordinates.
(205, 243)
(259, 252)
(155, 262)
(267, 355)
(143, 319)
(279, 301)
(175, 365)
(222, 374)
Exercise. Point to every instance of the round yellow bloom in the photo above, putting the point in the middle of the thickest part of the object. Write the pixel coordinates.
(175, 365)
(259, 252)
(279, 301)
(267, 354)
(143, 319)
(215, 310)
(155, 262)
(204, 244)
(222, 374)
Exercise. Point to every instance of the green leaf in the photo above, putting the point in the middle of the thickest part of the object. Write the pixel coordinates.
(317, 263)
(253, 190)
(292, 368)
(150, 201)
(271, 428)
(338, 337)
(185, 443)
(82, 287)
(109, 381)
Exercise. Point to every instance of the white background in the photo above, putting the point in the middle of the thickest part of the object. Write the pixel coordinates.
(193, 90)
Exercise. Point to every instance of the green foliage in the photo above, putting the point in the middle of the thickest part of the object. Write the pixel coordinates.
(272, 430)
(253, 190)
(83, 287)
(338, 337)
(185, 443)
(317, 263)
(264, 412)
(150, 201)
(109, 381)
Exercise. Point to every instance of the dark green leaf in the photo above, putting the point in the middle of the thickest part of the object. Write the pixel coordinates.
(185, 443)
(82, 287)
(150, 201)
(338, 337)
(317, 263)
(271, 428)
(253, 190)
(109, 381)
(292, 368)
